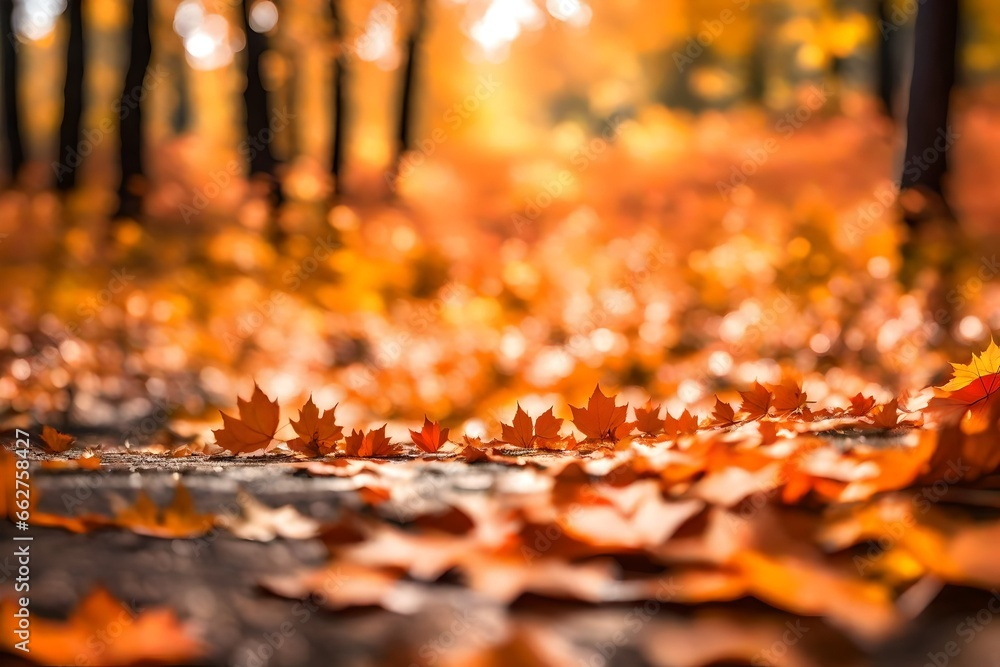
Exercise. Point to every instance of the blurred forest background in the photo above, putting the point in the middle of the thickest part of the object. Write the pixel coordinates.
(526, 198)
(561, 68)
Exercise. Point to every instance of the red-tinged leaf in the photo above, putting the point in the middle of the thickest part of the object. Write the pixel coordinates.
(648, 419)
(722, 414)
(473, 450)
(970, 392)
(431, 437)
(179, 520)
(372, 443)
(520, 432)
(601, 419)
(56, 441)
(756, 402)
(102, 630)
(861, 405)
(318, 435)
(547, 425)
(788, 397)
(886, 416)
(255, 428)
(768, 432)
(686, 424)
(982, 370)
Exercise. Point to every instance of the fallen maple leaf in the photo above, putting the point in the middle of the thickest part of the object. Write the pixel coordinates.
(722, 414)
(255, 428)
(261, 523)
(521, 433)
(648, 420)
(372, 443)
(473, 450)
(149, 637)
(179, 520)
(56, 441)
(601, 420)
(970, 391)
(431, 437)
(886, 416)
(756, 402)
(318, 434)
(788, 397)
(861, 405)
(685, 424)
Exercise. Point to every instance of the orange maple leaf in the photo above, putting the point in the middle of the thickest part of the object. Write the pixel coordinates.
(648, 419)
(686, 424)
(56, 441)
(601, 420)
(148, 637)
(861, 405)
(525, 435)
(757, 402)
(788, 397)
(431, 437)
(179, 520)
(255, 428)
(473, 450)
(372, 443)
(318, 435)
(722, 414)
(886, 416)
(971, 390)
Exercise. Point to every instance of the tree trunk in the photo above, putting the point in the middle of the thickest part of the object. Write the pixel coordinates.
(259, 135)
(885, 66)
(927, 135)
(12, 118)
(130, 114)
(339, 97)
(69, 130)
(407, 103)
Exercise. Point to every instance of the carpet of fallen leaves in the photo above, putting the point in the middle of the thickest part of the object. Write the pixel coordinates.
(711, 427)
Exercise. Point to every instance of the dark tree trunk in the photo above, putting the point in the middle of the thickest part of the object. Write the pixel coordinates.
(181, 117)
(927, 135)
(11, 114)
(887, 81)
(69, 129)
(339, 97)
(258, 113)
(130, 115)
(407, 104)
